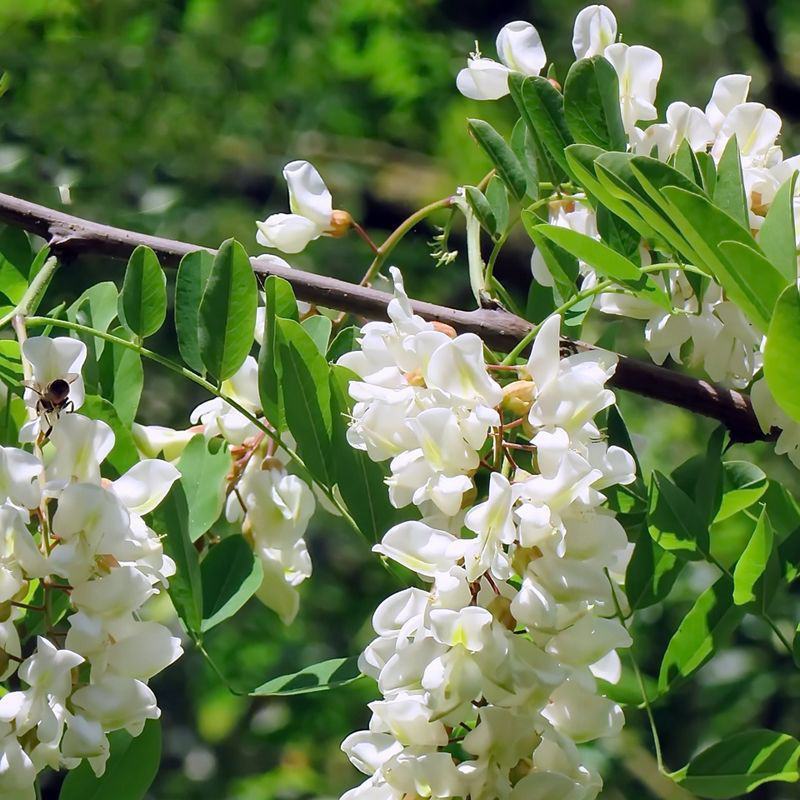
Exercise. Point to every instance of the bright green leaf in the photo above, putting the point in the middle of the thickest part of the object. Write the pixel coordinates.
(317, 678)
(185, 587)
(319, 327)
(306, 397)
(508, 166)
(190, 284)
(729, 192)
(782, 352)
(777, 235)
(742, 485)
(674, 521)
(231, 575)
(131, 768)
(753, 562)
(707, 626)
(741, 763)
(591, 104)
(143, 300)
(203, 474)
(227, 315)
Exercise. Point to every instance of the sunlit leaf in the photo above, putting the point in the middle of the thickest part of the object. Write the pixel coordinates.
(143, 300)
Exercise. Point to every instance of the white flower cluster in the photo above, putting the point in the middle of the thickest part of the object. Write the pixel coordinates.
(488, 675)
(715, 330)
(90, 544)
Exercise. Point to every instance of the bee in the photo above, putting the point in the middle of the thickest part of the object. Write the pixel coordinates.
(53, 399)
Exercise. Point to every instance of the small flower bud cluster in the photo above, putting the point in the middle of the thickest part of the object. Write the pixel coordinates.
(708, 326)
(66, 533)
(488, 675)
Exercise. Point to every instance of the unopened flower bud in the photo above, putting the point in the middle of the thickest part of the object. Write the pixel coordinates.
(5, 613)
(22, 592)
(517, 397)
(443, 327)
(341, 222)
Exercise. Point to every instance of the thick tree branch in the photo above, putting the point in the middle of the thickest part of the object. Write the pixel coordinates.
(501, 330)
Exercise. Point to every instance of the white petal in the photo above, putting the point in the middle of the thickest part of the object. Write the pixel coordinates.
(145, 484)
(595, 29)
(289, 233)
(308, 195)
(483, 79)
(520, 48)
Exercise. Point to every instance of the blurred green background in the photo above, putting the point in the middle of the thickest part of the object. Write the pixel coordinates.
(175, 117)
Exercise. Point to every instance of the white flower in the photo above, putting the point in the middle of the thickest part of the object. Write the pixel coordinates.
(418, 547)
(155, 440)
(638, 69)
(117, 702)
(19, 477)
(81, 445)
(493, 523)
(595, 29)
(311, 205)
(755, 127)
(519, 48)
(729, 92)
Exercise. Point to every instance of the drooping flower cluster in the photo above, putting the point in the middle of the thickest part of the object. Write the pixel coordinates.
(488, 674)
(273, 505)
(710, 329)
(78, 562)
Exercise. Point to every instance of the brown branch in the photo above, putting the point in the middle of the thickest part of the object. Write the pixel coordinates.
(500, 330)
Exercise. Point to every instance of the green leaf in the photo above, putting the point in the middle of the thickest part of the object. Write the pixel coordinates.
(748, 278)
(130, 771)
(281, 303)
(525, 150)
(686, 163)
(674, 521)
(777, 235)
(729, 190)
(741, 763)
(317, 678)
(581, 159)
(651, 574)
(708, 486)
(617, 234)
(505, 162)
(95, 308)
(344, 342)
(708, 170)
(361, 481)
(15, 261)
(306, 397)
(707, 626)
(742, 485)
(190, 284)
(482, 210)
(203, 475)
(319, 327)
(542, 107)
(591, 104)
(782, 352)
(124, 453)
(185, 587)
(227, 315)
(562, 265)
(231, 575)
(497, 197)
(753, 562)
(607, 262)
(143, 300)
(121, 377)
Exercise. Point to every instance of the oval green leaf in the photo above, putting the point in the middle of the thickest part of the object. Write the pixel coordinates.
(143, 299)
(782, 352)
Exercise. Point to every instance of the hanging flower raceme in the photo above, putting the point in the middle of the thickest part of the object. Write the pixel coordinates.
(502, 652)
(69, 534)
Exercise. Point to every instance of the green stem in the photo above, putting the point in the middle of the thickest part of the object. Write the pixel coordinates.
(200, 381)
(574, 300)
(640, 680)
(398, 233)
